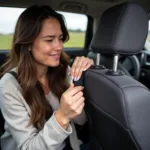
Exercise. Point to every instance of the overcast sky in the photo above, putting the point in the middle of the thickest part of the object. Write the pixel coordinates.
(9, 16)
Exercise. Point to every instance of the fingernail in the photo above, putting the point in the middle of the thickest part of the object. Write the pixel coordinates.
(84, 69)
(78, 78)
(75, 78)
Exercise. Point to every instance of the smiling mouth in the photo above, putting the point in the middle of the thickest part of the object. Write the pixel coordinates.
(55, 56)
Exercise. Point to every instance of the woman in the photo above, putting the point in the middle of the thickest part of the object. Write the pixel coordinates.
(39, 107)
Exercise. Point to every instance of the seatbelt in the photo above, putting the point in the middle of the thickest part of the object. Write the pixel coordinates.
(13, 73)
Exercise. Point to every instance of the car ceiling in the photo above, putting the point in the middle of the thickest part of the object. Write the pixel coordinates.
(89, 7)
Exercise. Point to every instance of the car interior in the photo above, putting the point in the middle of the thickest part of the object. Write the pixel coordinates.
(117, 96)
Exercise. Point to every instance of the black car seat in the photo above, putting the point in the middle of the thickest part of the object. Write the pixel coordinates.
(107, 60)
(117, 105)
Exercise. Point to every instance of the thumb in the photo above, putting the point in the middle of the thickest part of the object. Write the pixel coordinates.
(71, 85)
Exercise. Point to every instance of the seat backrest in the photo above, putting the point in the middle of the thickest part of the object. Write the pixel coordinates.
(118, 106)
(118, 109)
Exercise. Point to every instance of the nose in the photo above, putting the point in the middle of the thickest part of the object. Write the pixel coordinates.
(58, 44)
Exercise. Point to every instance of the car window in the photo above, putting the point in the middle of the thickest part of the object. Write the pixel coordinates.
(147, 43)
(148, 37)
(76, 24)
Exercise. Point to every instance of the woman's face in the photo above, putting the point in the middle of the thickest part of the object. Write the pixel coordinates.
(47, 47)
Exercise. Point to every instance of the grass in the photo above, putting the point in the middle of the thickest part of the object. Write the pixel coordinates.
(148, 37)
(5, 41)
(76, 40)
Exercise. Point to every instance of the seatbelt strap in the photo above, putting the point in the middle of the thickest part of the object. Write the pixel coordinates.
(14, 74)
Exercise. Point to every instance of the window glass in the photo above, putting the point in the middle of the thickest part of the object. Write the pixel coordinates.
(149, 33)
(76, 24)
(8, 18)
(147, 43)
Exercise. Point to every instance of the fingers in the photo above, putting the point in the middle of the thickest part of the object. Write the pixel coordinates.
(89, 64)
(75, 62)
(75, 67)
(73, 94)
(77, 96)
(74, 90)
(79, 102)
(80, 64)
(71, 91)
(79, 108)
(81, 67)
(72, 102)
(78, 67)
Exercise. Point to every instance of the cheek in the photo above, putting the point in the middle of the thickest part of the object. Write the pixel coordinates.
(40, 51)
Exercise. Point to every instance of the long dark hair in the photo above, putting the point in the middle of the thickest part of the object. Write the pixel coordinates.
(27, 29)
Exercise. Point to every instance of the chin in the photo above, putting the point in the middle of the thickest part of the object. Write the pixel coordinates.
(54, 64)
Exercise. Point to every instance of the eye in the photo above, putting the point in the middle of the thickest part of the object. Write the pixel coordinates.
(61, 38)
(50, 40)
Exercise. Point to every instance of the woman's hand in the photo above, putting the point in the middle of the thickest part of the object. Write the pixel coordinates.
(80, 64)
(71, 105)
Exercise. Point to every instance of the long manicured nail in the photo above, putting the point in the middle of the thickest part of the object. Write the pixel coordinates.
(78, 78)
(75, 78)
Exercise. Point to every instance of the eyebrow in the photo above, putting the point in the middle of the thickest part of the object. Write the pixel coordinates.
(51, 36)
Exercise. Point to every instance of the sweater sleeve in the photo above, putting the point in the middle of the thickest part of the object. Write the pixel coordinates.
(17, 118)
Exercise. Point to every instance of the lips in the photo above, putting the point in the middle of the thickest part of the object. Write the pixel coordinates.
(55, 56)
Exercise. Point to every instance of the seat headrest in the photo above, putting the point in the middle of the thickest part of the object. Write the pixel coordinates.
(122, 29)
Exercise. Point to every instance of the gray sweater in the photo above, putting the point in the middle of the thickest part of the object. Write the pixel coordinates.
(18, 135)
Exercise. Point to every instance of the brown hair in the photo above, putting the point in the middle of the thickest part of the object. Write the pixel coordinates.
(27, 29)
